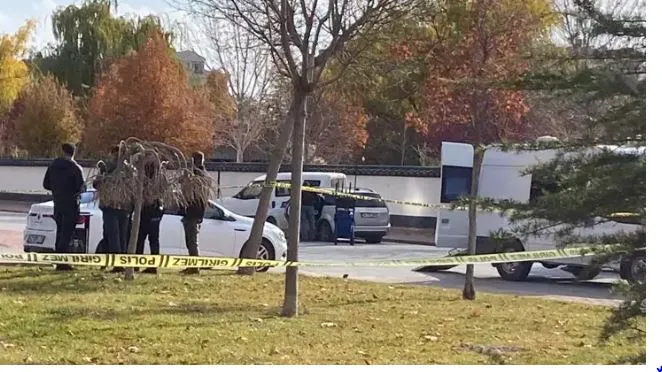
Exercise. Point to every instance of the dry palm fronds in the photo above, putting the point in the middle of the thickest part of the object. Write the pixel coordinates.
(171, 180)
(196, 187)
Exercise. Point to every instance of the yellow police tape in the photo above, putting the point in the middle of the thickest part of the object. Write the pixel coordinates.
(170, 261)
(399, 202)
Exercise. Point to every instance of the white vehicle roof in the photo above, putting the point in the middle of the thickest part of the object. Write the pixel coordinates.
(319, 175)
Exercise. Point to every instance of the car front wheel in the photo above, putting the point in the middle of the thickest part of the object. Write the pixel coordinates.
(264, 252)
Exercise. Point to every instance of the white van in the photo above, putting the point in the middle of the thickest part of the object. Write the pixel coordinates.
(501, 178)
(245, 201)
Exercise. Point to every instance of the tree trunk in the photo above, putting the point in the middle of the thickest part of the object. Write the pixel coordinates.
(277, 155)
(240, 156)
(403, 148)
(469, 293)
(135, 220)
(291, 303)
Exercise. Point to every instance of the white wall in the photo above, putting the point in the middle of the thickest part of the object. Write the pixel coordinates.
(24, 179)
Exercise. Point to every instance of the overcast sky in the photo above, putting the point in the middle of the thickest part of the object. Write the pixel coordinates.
(13, 14)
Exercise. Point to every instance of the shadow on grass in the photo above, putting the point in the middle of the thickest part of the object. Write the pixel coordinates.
(533, 286)
(64, 314)
(51, 282)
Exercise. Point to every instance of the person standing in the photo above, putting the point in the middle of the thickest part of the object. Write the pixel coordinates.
(64, 178)
(150, 221)
(193, 215)
(115, 217)
(309, 203)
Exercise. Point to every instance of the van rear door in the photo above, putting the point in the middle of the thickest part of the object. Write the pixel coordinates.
(456, 163)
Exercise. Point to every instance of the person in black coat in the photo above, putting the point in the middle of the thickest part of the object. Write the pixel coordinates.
(150, 222)
(64, 178)
(115, 217)
(193, 215)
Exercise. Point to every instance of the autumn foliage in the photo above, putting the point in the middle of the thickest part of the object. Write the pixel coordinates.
(146, 95)
(14, 73)
(466, 61)
(336, 128)
(42, 118)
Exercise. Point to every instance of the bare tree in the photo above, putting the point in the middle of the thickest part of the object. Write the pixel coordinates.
(302, 36)
(248, 65)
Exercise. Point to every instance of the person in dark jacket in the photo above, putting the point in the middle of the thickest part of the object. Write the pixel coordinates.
(193, 215)
(150, 221)
(64, 178)
(309, 204)
(115, 218)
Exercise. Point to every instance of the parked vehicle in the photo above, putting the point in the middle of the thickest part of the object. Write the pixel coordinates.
(245, 201)
(501, 178)
(223, 233)
(372, 219)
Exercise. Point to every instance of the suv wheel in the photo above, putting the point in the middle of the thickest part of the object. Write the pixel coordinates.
(375, 239)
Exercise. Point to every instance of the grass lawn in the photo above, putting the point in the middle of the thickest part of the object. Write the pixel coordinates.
(220, 318)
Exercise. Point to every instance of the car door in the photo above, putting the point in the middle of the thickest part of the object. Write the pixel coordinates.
(217, 234)
(171, 236)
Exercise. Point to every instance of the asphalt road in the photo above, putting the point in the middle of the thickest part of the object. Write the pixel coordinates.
(547, 283)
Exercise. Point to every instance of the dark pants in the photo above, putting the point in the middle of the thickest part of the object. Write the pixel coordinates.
(149, 228)
(115, 229)
(307, 230)
(191, 232)
(66, 215)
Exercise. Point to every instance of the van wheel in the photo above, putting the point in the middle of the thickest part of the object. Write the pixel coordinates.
(324, 232)
(633, 267)
(514, 271)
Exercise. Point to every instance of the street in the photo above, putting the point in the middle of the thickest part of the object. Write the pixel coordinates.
(547, 283)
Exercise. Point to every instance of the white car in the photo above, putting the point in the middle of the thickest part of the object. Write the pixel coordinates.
(222, 233)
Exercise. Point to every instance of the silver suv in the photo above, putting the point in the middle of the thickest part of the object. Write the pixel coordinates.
(372, 220)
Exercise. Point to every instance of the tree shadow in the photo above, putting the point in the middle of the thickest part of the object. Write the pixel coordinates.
(534, 286)
(64, 314)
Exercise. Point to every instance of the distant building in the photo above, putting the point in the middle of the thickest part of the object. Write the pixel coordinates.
(194, 65)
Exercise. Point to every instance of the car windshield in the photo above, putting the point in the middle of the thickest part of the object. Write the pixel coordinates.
(214, 205)
(373, 203)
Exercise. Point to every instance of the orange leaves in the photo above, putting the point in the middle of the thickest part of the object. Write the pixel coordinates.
(43, 117)
(146, 95)
(336, 127)
(462, 100)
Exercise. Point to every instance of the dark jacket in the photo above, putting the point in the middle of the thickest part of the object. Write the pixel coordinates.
(64, 178)
(309, 199)
(196, 210)
(153, 210)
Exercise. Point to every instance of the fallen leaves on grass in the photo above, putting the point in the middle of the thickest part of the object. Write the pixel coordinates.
(220, 318)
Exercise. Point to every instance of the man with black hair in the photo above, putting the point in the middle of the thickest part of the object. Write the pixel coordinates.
(64, 178)
(193, 215)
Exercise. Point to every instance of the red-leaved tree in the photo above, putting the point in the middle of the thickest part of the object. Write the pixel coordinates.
(146, 95)
(336, 129)
(477, 46)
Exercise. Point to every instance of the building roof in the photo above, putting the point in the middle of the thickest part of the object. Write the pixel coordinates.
(190, 56)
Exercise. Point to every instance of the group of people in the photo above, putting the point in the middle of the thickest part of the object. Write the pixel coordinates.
(64, 178)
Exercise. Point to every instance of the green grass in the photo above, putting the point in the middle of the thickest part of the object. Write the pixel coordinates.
(220, 318)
